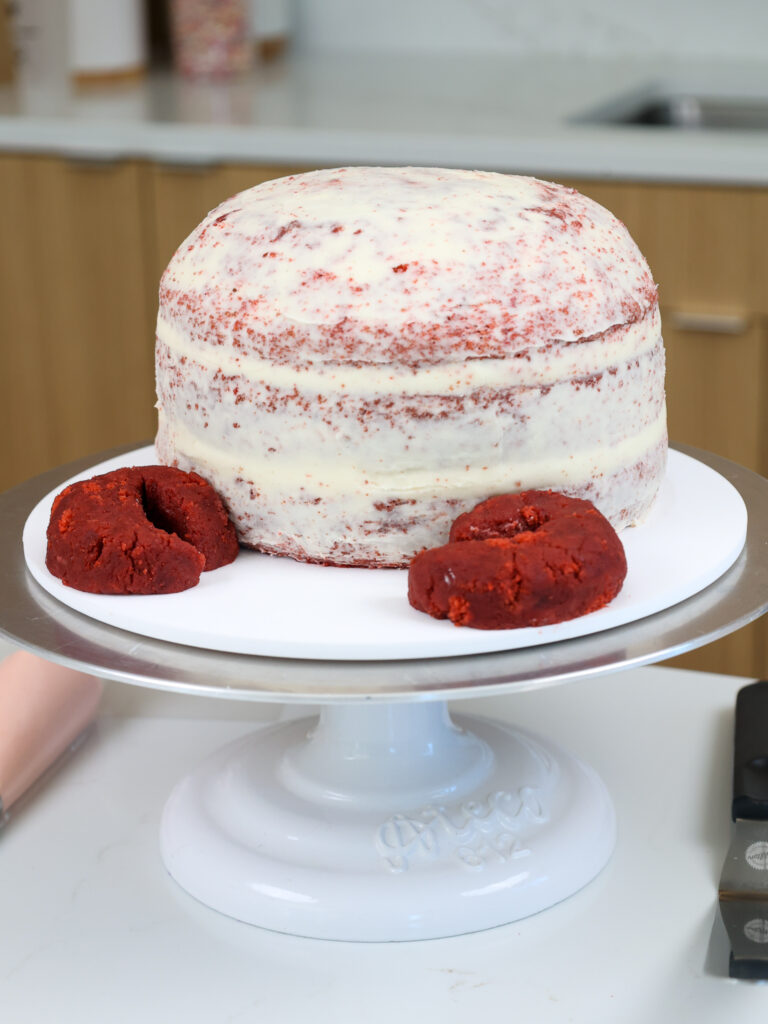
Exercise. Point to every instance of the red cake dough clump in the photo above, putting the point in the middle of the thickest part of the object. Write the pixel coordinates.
(528, 559)
(142, 530)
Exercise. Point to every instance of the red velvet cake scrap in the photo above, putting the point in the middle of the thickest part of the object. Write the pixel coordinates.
(529, 559)
(141, 530)
(506, 515)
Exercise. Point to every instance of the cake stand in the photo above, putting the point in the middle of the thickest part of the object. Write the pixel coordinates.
(382, 818)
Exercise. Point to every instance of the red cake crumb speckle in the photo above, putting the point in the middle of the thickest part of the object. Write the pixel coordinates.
(142, 530)
(528, 559)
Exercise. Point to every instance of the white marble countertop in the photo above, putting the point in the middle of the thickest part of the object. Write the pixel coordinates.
(94, 929)
(505, 113)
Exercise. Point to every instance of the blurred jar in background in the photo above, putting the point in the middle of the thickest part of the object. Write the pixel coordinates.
(41, 41)
(107, 40)
(271, 26)
(211, 38)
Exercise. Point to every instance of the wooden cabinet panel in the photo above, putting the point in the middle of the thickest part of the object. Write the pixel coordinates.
(716, 388)
(77, 331)
(705, 244)
(716, 385)
(24, 400)
(706, 250)
(760, 251)
(701, 244)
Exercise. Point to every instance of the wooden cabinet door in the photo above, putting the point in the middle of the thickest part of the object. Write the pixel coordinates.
(706, 250)
(77, 334)
(701, 244)
(705, 245)
(716, 383)
(716, 394)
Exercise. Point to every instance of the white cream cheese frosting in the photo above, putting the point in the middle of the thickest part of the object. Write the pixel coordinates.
(352, 357)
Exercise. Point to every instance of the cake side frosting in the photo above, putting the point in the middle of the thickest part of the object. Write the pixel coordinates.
(347, 407)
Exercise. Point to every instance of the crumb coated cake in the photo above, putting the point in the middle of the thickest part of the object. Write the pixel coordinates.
(354, 357)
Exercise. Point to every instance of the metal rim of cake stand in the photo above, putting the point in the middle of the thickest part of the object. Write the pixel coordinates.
(437, 827)
(34, 620)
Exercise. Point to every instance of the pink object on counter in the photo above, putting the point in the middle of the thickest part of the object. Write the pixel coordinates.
(43, 709)
(211, 38)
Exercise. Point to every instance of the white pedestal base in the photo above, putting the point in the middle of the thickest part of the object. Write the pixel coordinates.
(387, 822)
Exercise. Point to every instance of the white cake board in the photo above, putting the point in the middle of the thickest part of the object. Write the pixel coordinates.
(280, 608)
(382, 820)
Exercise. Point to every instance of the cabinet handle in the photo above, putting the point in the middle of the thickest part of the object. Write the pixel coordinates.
(707, 323)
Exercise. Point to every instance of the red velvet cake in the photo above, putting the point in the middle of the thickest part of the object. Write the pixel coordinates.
(354, 357)
(143, 530)
(529, 559)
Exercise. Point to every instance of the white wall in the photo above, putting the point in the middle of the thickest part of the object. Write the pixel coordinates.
(684, 28)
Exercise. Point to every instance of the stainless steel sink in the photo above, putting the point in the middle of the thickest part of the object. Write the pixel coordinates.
(684, 110)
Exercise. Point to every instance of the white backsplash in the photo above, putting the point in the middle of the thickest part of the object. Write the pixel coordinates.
(687, 29)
